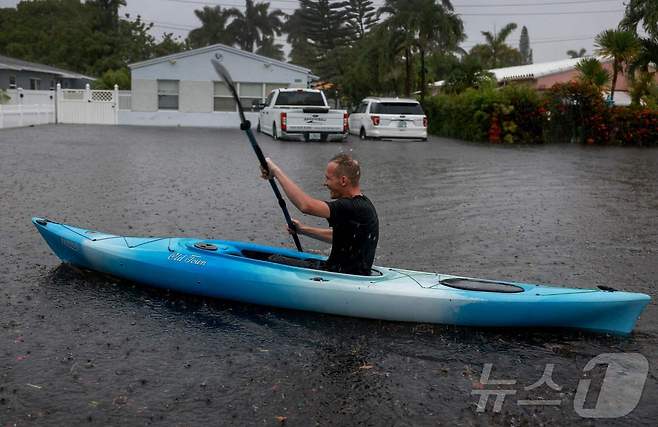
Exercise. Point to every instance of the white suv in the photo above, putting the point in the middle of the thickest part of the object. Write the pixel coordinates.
(389, 118)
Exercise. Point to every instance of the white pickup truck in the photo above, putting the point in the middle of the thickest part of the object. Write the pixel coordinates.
(301, 114)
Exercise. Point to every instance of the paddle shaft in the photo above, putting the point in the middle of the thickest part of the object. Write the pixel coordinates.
(245, 125)
(275, 188)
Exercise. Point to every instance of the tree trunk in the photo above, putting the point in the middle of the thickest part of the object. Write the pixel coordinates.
(422, 74)
(614, 80)
(407, 66)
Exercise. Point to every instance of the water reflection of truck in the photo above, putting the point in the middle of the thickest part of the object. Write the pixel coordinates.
(302, 114)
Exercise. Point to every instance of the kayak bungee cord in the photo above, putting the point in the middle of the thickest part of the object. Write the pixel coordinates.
(245, 125)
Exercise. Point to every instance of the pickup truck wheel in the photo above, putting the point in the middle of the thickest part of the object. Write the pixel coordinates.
(362, 134)
(274, 134)
(258, 127)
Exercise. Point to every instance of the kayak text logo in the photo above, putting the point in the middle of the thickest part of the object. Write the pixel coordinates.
(188, 259)
(619, 393)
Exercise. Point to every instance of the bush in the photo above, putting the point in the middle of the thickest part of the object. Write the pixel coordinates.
(577, 113)
(511, 114)
(3, 96)
(568, 112)
(634, 126)
(120, 77)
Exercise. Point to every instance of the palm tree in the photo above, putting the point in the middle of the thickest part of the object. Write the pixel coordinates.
(421, 26)
(645, 11)
(267, 47)
(592, 72)
(402, 30)
(438, 28)
(254, 24)
(621, 46)
(639, 69)
(646, 56)
(577, 54)
(496, 43)
(213, 28)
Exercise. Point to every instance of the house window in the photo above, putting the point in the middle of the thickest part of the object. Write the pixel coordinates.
(222, 98)
(167, 94)
(35, 84)
(251, 94)
(12, 82)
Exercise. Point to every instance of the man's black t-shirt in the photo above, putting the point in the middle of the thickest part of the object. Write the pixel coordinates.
(355, 235)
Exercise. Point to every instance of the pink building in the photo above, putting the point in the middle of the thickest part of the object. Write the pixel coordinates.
(544, 75)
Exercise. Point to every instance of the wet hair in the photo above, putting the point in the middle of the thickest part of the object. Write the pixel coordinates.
(348, 167)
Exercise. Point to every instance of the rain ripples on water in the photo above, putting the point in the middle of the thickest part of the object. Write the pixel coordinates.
(82, 347)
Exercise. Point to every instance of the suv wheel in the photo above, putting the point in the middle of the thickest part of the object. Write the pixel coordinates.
(362, 134)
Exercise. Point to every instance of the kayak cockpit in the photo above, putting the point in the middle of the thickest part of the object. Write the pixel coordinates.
(280, 256)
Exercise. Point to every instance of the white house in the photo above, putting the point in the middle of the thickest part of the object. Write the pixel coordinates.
(183, 89)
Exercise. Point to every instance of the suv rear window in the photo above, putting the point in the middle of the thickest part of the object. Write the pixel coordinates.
(396, 108)
(300, 98)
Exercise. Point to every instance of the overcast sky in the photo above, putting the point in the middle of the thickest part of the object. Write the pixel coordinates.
(554, 26)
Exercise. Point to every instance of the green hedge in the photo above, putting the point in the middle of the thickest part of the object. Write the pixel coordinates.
(569, 112)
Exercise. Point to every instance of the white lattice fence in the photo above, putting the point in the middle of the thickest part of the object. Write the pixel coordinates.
(86, 106)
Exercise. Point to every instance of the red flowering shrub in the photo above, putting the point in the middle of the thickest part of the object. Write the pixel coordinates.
(577, 113)
(568, 112)
(634, 126)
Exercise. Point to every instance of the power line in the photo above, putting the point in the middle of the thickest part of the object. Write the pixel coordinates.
(535, 42)
(171, 26)
(456, 5)
(584, 12)
(548, 3)
(510, 13)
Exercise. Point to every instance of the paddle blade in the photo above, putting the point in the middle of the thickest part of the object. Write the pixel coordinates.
(224, 74)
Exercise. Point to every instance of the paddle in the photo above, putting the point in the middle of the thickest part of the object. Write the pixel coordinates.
(245, 125)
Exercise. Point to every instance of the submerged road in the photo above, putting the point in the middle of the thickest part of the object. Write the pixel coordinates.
(83, 348)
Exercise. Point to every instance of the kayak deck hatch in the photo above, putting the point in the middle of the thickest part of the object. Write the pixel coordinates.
(480, 285)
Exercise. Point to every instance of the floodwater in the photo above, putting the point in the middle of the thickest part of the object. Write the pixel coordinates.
(82, 348)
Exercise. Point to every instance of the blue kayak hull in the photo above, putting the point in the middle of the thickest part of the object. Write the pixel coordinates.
(244, 272)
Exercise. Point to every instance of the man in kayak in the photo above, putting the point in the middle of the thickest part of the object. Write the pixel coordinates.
(354, 227)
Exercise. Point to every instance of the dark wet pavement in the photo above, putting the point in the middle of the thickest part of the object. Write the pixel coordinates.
(82, 348)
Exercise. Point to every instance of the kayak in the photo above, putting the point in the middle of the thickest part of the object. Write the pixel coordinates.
(282, 277)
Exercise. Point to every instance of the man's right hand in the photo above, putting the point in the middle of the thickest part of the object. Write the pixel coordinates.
(298, 227)
(272, 169)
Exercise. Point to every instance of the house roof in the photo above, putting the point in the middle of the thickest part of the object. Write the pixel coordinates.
(8, 63)
(534, 71)
(223, 47)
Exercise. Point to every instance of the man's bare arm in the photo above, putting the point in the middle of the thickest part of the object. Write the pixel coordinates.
(297, 196)
(322, 234)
